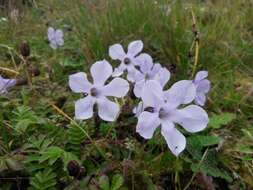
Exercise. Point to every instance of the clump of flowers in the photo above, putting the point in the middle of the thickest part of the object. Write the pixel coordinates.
(5, 84)
(55, 37)
(157, 107)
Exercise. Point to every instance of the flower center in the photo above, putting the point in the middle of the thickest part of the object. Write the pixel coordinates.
(127, 61)
(150, 109)
(163, 114)
(94, 92)
(147, 77)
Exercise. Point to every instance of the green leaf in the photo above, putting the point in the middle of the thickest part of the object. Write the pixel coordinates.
(43, 180)
(68, 156)
(195, 144)
(117, 182)
(242, 148)
(24, 118)
(217, 121)
(210, 166)
(52, 154)
(104, 182)
(204, 141)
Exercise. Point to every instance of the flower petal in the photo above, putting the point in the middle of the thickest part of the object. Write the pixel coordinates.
(152, 94)
(50, 33)
(203, 86)
(78, 83)
(192, 118)
(9, 82)
(118, 87)
(116, 51)
(134, 48)
(201, 75)
(101, 71)
(53, 44)
(60, 42)
(175, 140)
(163, 76)
(131, 73)
(200, 99)
(182, 92)
(156, 68)
(147, 124)
(59, 33)
(139, 76)
(138, 88)
(107, 110)
(84, 108)
(145, 62)
(5, 84)
(119, 70)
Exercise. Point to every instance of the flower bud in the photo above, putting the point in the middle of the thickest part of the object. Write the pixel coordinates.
(24, 49)
(82, 173)
(73, 168)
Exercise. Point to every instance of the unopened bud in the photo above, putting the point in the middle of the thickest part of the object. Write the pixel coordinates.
(73, 168)
(24, 49)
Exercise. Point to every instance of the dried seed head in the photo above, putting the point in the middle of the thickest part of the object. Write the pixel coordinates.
(34, 71)
(24, 49)
(82, 173)
(73, 168)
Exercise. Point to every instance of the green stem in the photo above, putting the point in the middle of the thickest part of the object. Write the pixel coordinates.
(90, 139)
(195, 173)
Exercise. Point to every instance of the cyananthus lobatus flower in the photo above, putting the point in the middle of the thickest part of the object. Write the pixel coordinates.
(202, 87)
(149, 71)
(167, 112)
(55, 37)
(128, 60)
(5, 84)
(98, 92)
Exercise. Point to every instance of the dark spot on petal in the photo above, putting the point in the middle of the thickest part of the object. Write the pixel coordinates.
(149, 109)
(127, 61)
(94, 92)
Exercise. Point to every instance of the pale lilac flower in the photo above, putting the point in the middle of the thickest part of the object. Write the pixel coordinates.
(168, 113)
(55, 37)
(5, 84)
(149, 71)
(202, 87)
(128, 60)
(98, 92)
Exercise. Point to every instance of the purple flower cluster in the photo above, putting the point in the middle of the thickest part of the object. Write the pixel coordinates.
(178, 105)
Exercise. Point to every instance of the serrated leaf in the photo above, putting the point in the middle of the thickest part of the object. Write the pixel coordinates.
(117, 182)
(195, 144)
(52, 154)
(211, 167)
(44, 180)
(217, 121)
(204, 141)
(104, 182)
